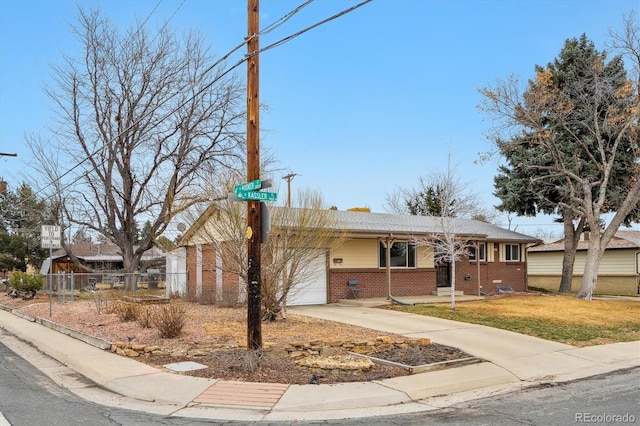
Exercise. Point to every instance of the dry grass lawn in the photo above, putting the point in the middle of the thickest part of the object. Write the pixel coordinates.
(552, 317)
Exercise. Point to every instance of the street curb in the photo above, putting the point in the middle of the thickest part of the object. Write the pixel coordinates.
(83, 337)
(86, 338)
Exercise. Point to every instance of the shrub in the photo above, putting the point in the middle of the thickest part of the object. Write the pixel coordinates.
(145, 315)
(125, 311)
(22, 281)
(253, 359)
(169, 320)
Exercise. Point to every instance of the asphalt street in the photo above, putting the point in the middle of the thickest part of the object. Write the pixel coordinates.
(29, 397)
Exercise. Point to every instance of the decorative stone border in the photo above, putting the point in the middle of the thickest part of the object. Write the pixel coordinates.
(366, 347)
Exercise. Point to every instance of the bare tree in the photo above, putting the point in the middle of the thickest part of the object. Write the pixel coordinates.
(597, 111)
(81, 236)
(146, 117)
(395, 202)
(426, 198)
(450, 245)
(298, 236)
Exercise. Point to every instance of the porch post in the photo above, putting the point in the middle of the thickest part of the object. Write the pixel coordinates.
(478, 263)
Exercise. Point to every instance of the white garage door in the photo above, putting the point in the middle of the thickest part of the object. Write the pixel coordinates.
(313, 290)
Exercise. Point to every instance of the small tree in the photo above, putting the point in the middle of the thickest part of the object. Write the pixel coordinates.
(450, 245)
(299, 236)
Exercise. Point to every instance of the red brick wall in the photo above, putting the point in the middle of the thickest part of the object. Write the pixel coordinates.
(208, 273)
(230, 288)
(422, 281)
(404, 282)
(513, 274)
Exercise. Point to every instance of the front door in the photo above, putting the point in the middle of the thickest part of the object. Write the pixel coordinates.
(443, 274)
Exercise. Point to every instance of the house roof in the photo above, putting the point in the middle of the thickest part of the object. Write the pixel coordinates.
(382, 223)
(103, 252)
(621, 240)
(368, 224)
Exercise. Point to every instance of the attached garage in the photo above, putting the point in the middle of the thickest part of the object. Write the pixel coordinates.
(313, 290)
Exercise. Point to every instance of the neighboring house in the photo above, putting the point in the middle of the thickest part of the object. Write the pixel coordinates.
(498, 259)
(105, 258)
(618, 273)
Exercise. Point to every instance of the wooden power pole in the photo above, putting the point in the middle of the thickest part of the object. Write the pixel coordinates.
(288, 178)
(254, 231)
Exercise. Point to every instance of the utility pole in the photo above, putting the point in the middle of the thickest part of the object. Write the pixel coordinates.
(254, 229)
(289, 178)
(3, 183)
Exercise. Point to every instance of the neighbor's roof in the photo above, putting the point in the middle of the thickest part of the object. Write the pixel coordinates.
(621, 240)
(381, 223)
(103, 252)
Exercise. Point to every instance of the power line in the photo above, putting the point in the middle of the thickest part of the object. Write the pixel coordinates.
(284, 19)
(205, 72)
(190, 86)
(324, 21)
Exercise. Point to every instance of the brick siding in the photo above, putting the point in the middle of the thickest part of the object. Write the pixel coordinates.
(404, 282)
(492, 274)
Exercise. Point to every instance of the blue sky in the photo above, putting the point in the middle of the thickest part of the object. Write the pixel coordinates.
(357, 107)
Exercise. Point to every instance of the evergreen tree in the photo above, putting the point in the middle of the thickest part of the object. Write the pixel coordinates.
(21, 215)
(573, 151)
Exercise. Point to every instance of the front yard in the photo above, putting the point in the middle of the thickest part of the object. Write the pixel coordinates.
(298, 350)
(552, 317)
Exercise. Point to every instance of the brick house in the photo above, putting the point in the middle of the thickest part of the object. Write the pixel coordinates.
(497, 258)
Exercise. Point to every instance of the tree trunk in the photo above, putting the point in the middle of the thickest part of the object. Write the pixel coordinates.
(571, 239)
(590, 276)
(129, 263)
(453, 285)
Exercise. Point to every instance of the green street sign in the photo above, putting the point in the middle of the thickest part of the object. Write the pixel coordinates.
(249, 186)
(257, 195)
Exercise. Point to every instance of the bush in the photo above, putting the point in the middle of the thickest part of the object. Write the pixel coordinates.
(21, 281)
(125, 311)
(144, 317)
(169, 320)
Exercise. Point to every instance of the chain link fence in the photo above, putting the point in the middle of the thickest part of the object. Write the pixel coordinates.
(67, 286)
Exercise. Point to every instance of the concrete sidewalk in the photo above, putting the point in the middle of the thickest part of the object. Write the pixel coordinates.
(512, 361)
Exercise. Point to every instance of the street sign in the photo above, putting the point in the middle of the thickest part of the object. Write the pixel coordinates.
(257, 195)
(249, 186)
(50, 237)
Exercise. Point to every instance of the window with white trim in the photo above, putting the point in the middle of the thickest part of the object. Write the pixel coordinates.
(403, 255)
(512, 252)
(482, 249)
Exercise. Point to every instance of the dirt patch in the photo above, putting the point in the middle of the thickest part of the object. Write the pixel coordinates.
(421, 355)
(216, 338)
